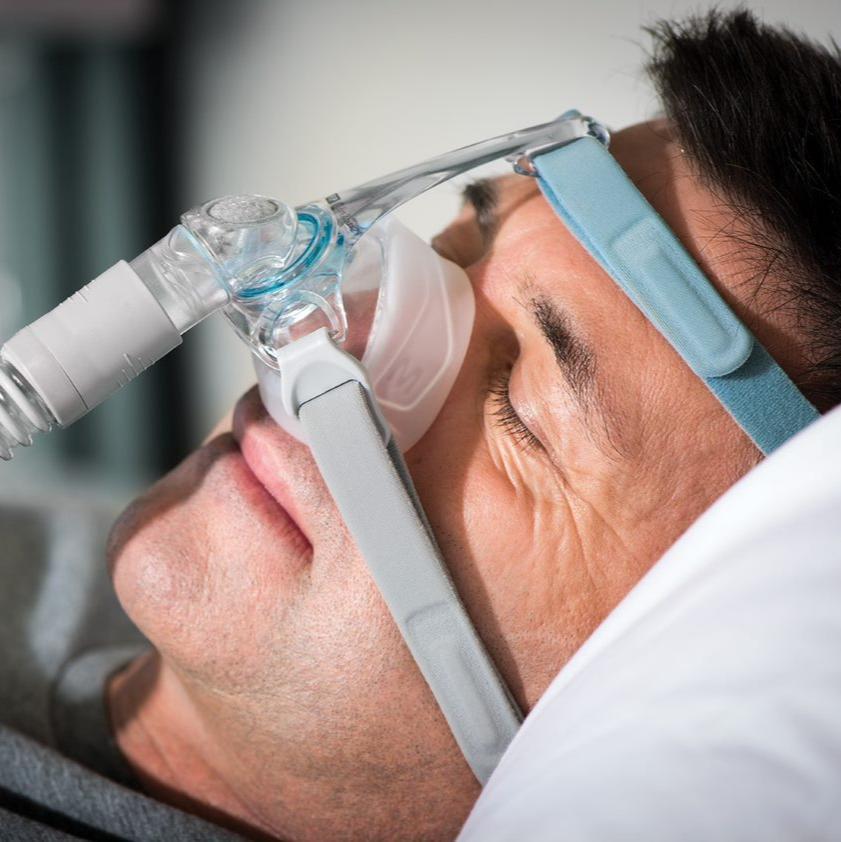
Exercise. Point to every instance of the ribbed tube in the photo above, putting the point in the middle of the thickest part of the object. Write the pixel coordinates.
(22, 412)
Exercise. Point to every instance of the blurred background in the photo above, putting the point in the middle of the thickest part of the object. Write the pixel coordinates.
(117, 115)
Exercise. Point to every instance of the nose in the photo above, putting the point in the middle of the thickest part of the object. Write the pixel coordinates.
(461, 241)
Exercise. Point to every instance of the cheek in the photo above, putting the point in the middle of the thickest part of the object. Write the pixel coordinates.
(516, 562)
(203, 565)
(504, 528)
(513, 521)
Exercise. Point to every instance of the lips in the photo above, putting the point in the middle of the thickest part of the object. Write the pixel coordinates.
(278, 461)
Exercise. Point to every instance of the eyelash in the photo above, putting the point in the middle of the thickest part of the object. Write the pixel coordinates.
(506, 417)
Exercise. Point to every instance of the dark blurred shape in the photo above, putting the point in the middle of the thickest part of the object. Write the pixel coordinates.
(89, 166)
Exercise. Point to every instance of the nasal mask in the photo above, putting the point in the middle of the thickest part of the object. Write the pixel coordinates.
(358, 329)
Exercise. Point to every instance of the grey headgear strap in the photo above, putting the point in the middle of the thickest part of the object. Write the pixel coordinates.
(372, 488)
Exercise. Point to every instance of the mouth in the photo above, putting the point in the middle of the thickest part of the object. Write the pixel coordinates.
(271, 455)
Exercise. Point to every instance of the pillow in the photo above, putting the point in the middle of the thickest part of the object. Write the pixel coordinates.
(708, 704)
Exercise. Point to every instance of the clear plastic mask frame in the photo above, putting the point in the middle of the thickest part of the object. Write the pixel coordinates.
(285, 269)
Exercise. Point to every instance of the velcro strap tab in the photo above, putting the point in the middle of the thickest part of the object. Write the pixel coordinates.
(679, 301)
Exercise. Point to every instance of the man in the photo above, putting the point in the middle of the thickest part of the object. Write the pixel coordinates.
(574, 449)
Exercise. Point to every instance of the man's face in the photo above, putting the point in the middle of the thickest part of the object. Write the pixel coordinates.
(573, 450)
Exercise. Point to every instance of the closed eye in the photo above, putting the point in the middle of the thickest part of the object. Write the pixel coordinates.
(506, 417)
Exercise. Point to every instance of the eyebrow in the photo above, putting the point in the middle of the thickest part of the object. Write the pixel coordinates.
(482, 195)
(574, 357)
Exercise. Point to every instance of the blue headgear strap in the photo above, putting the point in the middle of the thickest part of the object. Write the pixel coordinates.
(614, 222)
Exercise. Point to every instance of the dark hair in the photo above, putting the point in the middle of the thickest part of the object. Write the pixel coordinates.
(758, 110)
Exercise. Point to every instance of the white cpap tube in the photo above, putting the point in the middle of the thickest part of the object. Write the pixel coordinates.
(70, 360)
